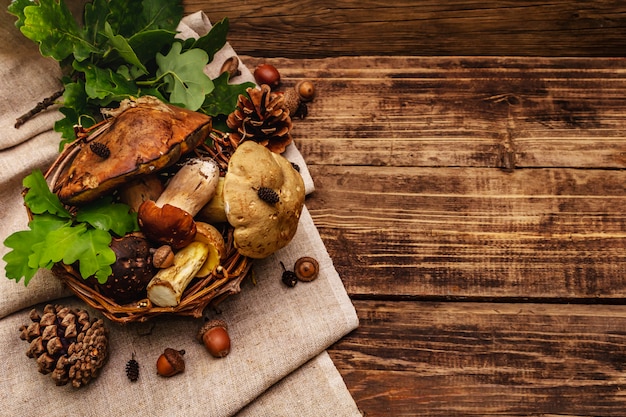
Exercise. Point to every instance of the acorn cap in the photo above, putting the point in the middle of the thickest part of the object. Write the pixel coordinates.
(306, 268)
(144, 136)
(175, 358)
(210, 325)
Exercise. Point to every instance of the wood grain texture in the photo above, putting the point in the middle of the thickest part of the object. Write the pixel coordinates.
(479, 359)
(474, 208)
(468, 178)
(320, 28)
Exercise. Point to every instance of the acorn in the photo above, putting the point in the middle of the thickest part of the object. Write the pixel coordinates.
(215, 338)
(306, 268)
(170, 362)
(267, 74)
(306, 90)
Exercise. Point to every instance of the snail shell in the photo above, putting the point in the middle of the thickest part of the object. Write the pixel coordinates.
(306, 268)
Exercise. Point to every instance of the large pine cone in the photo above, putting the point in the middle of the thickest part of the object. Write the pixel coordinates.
(66, 344)
(261, 116)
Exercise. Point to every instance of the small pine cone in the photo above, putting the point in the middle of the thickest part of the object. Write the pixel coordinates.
(261, 116)
(132, 369)
(268, 195)
(66, 344)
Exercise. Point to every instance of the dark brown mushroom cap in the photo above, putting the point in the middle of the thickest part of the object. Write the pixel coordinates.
(132, 270)
(145, 136)
(167, 225)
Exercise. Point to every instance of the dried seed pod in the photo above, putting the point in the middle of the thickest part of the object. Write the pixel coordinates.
(132, 369)
(288, 278)
(268, 195)
(71, 352)
(100, 149)
(306, 268)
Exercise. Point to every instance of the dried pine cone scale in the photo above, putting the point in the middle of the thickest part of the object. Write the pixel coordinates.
(261, 116)
(66, 343)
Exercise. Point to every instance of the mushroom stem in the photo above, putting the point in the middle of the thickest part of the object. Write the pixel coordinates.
(192, 186)
(167, 286)
(215, 211)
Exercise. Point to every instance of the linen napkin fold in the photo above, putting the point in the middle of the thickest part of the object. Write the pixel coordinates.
(279, 334)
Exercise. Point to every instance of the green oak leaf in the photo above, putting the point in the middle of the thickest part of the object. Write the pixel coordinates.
(16, 8)
(105, 85)
(183, 74)
(39, 198)
(51, 24)
(95, 17)
(92, 252)
(223, 98)
(57, 241)
(24, 245)
(212, 41)
(104, 215)
(158, 14)
(123, 48)
(123, 16)
(148, 43)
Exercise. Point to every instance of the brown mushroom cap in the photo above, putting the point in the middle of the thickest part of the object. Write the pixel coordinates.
(261, 228)
(144, 136)
(166, 225)
(131, 271)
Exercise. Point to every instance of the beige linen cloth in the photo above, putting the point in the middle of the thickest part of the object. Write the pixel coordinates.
(277, 366)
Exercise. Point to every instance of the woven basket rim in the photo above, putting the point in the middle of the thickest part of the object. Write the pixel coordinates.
(225, 280)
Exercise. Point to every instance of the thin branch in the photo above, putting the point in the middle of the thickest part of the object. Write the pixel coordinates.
(41, 106)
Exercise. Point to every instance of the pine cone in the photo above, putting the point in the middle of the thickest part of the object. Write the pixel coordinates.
(66, 344)
(263, 117)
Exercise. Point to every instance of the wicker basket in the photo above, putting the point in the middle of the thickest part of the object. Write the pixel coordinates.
(225, 280)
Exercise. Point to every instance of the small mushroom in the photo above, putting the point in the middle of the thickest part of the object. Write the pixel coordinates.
(169, 219)
(131, 272)
(208, 234)
(260, 228)
(166, 288)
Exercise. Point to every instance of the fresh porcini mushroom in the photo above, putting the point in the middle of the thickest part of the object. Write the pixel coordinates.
(169, 219)
(215, 211)
(263, 198)
(144, 135)
(167, 286)
(147, 187)
(208, 234)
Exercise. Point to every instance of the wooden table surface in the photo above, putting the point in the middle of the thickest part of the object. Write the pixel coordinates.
(475, 210)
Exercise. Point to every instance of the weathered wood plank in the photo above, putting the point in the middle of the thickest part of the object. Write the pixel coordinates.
(322, 28)
(477, 233)
(507, 112)
(474, 359)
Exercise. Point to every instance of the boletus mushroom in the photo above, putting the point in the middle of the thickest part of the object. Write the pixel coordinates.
(170, 219)
(263, 196)
(143, 136)
(131, 272)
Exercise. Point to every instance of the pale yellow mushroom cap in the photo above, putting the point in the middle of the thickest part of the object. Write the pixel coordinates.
(261, 228)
